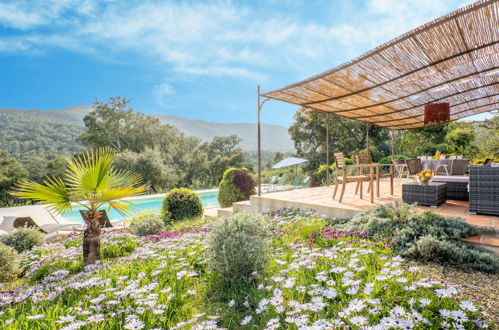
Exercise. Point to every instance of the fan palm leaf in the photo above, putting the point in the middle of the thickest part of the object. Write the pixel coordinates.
(91, 171)
(53, 191)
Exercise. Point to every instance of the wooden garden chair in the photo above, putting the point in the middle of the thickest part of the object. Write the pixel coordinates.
(367, 160)
(344, 178)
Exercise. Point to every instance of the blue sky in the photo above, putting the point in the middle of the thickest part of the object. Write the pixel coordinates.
(188, 58)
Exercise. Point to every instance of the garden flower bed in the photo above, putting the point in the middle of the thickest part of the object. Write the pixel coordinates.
(319, 278)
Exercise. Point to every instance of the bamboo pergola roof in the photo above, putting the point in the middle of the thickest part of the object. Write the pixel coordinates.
(453, 59)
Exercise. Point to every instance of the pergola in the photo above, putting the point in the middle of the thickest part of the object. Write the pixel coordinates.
(453, 59)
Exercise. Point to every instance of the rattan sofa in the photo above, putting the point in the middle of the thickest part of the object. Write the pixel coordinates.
(484, 190)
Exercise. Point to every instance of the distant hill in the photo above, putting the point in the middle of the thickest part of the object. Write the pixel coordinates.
(57, 130)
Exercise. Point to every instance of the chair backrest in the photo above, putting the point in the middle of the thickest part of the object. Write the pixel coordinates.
(460, 166)
(340, 159)
(28, 222)
(282, 180)
(25, 222)
(413, 165)
(307, 182)
(364, 159)
(296, 181)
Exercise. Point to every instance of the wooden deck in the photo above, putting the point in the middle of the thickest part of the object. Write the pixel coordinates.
(320, 200)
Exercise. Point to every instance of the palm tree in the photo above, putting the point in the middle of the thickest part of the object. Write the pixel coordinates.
(89, 181)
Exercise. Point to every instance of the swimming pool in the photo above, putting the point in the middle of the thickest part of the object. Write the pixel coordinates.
(154, 204)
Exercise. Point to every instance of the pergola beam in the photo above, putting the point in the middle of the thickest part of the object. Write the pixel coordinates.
(453, 58)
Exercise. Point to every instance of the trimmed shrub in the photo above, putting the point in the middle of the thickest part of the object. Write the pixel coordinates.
(9, 269)
(237, 185)
(425, 236)
(148, 226)
(238, 246)
(180, 204)
(23, 239)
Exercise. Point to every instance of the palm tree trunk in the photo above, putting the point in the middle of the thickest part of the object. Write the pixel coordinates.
(91, 238)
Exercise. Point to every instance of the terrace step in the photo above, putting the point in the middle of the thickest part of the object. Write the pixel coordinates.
(242, 206)
(224, 211)
(490, 242)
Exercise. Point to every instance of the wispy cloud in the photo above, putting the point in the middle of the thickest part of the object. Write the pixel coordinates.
(217, 38)
(162, 92)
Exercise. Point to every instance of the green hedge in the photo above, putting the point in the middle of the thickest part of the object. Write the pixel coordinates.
(237, 185)
(181, 203)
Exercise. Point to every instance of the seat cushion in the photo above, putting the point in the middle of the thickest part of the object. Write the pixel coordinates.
(443, 178)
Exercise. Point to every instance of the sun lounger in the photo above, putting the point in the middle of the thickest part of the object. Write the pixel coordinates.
(307, 182)
(280, 185)
(296, 182)
(270, 184)
(34, 216)
(10, 223)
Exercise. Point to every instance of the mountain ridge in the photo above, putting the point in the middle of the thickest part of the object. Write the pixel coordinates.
(274, 137)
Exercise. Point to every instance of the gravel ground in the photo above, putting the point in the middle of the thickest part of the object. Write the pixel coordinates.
(481, 288)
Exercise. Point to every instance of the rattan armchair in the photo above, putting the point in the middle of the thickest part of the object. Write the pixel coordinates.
(413, 167)
(460, 166)
(344, 177)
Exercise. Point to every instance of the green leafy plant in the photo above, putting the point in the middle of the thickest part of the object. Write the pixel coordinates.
(180, 204)
(90, 181)
(237, 185)
(424, 236)
(321, 175)
(149, 226)
(119, 246)
(388, 159)
(9, 269)
(239, 246)
(23, 239)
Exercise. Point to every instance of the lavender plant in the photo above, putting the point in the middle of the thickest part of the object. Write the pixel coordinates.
(239, 246)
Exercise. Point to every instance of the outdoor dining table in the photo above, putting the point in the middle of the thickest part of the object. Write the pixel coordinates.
(374, 171)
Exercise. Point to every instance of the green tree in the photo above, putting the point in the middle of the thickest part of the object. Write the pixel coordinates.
(308, 133)
(222, 154)
(423, 141)
(11, 172)
(487, 137)
(459, 140)
(150, 166)
(37, 168)
(114, 124)
(90, 181)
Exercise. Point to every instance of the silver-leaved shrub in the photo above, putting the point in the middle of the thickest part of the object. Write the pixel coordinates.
(23, 239)
(425, 236)
(238, 246)
(9, 268)
(148, 226)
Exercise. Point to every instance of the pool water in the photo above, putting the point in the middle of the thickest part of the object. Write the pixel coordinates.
(154, 205)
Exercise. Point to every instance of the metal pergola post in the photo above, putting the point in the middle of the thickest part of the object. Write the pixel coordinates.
(259, 157)
(328, 176)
